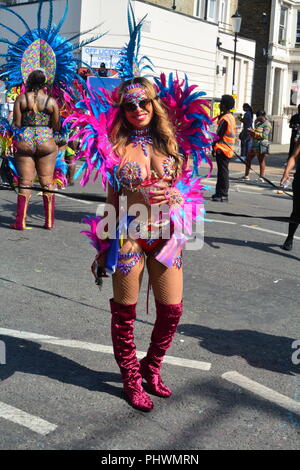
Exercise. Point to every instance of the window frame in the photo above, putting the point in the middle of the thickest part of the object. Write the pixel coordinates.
(282, 28)
(208, 17)
(223, 14)
(297, 35)
(198, 8)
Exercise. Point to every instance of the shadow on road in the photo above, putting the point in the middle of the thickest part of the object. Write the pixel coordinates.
(36, 214)
(260, 350)
(28, 357)
(234, 214)
(272, 248)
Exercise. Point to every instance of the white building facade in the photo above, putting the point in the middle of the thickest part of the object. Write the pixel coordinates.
(283, 71)
(200, 45)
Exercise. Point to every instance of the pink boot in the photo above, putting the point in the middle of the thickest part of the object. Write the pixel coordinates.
(49, 204)
(164, 330)
(22, 204)
(122, 327)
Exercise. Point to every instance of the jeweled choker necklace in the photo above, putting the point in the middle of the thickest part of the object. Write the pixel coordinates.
(142, 137)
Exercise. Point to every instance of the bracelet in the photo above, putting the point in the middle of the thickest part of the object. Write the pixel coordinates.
(174, 197)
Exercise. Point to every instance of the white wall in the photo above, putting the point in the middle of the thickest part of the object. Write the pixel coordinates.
(172, 41)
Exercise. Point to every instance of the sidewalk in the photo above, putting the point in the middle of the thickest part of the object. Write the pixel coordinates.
(274, 163)
(279, 148)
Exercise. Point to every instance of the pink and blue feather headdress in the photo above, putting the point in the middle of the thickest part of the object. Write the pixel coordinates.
(42, 47)
(187, 109)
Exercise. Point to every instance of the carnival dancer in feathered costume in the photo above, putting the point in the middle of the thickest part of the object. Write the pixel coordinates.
(140, 138)
(39, 59)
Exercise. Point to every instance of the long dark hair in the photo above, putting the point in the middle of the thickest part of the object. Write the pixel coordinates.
(248, 108)
(35, 82)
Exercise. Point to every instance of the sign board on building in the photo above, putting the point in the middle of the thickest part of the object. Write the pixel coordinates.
(94, 56)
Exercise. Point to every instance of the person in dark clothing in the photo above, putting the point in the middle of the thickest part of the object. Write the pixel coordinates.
(103, 70)
(244, 136)
(294, 160)
(295, 126)
(223, 149)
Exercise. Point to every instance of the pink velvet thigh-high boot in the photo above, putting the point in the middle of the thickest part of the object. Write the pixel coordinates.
(22, 204)
(164, 330)
(122, 326)
(49, 205)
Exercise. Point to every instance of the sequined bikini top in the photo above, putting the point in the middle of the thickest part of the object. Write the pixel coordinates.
(130, 175)
(36, 119)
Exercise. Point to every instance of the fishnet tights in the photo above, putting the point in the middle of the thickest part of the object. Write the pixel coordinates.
(167, 283)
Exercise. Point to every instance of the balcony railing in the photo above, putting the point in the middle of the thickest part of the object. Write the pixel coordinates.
(225, 27)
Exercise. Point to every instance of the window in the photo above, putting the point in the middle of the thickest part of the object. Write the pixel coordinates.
(223, 11)
(294, 89)
(282, 25)
(198, 8)
(298, 29)
(211, 10)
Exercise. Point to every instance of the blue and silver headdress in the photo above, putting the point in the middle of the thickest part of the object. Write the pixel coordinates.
(42, 48)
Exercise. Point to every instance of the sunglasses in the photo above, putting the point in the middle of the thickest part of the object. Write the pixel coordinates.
(132, 106)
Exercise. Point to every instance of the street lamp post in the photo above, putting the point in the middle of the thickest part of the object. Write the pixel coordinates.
(236, 27)
(174, 5)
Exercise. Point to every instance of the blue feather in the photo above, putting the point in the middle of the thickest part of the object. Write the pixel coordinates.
(18, 16)
(77, 35)
(50, 16)
(56, 30)
(62, 48)
(7, 41)
(80, 170)
(39, 15)
(129, 54)
(130, 18)
(10, 29)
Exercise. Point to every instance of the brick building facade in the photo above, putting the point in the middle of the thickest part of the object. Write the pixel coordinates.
(256, 25)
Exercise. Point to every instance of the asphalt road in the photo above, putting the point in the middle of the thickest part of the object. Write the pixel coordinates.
(239, 386)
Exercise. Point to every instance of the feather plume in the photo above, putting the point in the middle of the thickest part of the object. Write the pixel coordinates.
(62, 70)
(96, 242)
(129, 64)
(189, 115)
(93, 116)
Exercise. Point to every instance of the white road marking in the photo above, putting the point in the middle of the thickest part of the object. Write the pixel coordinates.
(74, 199)
(262, 391)
(253, 188)
(27, 420)
(177, 361)
(269, 231)
(220, 221)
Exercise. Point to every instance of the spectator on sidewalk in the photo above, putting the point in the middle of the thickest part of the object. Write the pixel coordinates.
(102, 72)
(260, 145)
(245, 138)
(223, 149)
(7, 109)
(295, 126)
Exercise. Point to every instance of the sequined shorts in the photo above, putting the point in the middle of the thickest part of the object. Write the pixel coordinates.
(37, 135)
(134, 258)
